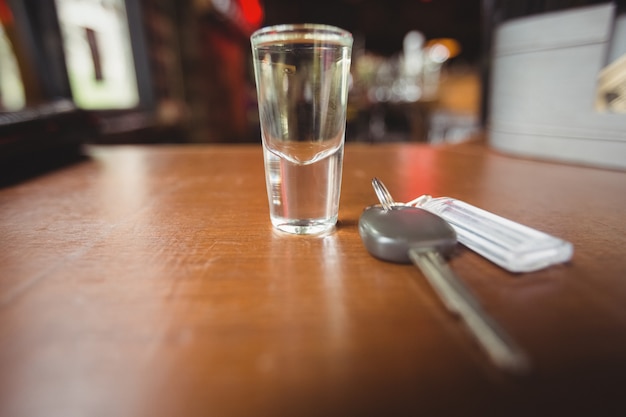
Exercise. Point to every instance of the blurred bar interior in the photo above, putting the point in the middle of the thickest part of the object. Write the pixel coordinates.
(155, 71)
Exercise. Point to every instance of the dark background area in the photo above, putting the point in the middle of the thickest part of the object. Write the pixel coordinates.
(193, 61)
(382, 25)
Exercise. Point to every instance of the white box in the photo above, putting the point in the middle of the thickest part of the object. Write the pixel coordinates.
(543, 89)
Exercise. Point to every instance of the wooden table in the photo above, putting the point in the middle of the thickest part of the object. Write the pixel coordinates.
(147, 281)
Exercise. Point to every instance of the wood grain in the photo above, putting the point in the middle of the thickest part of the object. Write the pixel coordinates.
(147, 281)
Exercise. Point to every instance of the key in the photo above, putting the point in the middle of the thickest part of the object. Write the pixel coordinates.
(513, 246)
(409, 234)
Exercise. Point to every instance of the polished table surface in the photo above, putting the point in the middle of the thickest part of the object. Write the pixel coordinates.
(147, 281)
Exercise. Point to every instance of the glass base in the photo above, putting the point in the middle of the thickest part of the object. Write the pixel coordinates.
(304, 227)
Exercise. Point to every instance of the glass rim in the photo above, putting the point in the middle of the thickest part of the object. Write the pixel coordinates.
(316, 32)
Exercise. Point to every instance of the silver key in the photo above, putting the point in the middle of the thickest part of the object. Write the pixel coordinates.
(404, 234)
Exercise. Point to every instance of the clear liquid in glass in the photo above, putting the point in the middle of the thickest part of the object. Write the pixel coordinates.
(302, 94)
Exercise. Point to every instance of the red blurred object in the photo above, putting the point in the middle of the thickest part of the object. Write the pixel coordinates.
(252, 12)
(6, 17)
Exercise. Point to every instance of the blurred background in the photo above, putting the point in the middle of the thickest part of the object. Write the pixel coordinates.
(180, 71)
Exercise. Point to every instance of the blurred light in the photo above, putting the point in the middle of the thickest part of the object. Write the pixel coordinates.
(222, 6)
(438, 53)
(453, 46)
(12, 94)
(252, 11)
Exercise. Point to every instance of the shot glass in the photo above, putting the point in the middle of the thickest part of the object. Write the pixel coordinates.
(302, 74)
